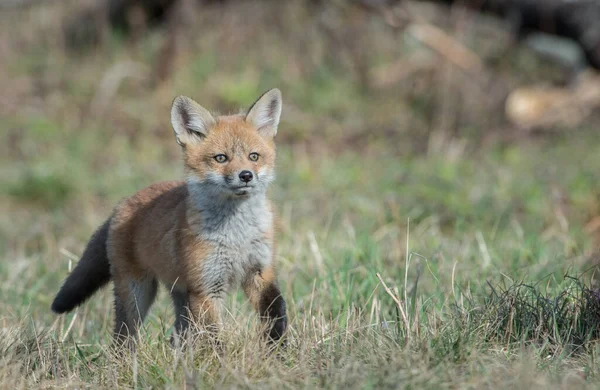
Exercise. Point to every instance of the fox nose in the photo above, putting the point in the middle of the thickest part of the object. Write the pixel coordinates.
(246, 176)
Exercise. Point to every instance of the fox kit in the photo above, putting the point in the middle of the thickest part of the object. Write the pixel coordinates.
(200, 238)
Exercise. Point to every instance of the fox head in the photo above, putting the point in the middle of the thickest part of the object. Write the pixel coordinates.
(228, 156)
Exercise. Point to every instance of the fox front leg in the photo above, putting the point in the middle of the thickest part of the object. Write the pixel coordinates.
(265, 295)
(194, 314)
(206, 312)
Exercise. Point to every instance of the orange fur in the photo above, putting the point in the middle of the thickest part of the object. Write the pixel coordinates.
(234, 135)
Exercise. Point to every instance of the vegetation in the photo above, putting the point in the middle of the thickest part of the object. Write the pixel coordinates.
(423, 242)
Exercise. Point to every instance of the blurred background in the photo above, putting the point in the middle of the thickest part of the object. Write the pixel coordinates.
(462, 115)
(443, 144)
(414, 77)
(465, 116)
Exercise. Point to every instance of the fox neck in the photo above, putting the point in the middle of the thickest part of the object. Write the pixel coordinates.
(215, 206)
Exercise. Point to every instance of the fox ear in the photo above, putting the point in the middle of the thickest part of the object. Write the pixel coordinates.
(191, 121)
(265, 112)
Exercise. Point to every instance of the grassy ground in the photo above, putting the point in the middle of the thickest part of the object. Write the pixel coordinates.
(404, 264)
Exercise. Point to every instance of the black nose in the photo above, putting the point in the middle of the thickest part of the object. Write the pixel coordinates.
(246, 176)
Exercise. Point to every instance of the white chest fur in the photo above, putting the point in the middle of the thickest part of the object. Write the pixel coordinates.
(236, 232)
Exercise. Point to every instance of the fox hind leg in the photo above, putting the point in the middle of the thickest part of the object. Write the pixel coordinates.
(181, 304)
(133, 298)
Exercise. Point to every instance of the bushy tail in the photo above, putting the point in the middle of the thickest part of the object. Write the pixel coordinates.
(90, 274)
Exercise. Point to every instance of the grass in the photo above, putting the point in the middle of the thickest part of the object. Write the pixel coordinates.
(403, 265)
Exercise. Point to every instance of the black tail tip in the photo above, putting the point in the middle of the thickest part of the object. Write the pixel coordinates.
(60, 307)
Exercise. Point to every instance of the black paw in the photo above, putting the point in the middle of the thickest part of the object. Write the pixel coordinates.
(278, 330)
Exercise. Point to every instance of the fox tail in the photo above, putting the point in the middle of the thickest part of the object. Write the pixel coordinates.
(90, 274)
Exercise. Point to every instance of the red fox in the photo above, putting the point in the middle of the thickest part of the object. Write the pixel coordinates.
(200, 238)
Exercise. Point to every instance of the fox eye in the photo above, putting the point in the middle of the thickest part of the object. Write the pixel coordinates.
(220, 158)
(253, 156)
